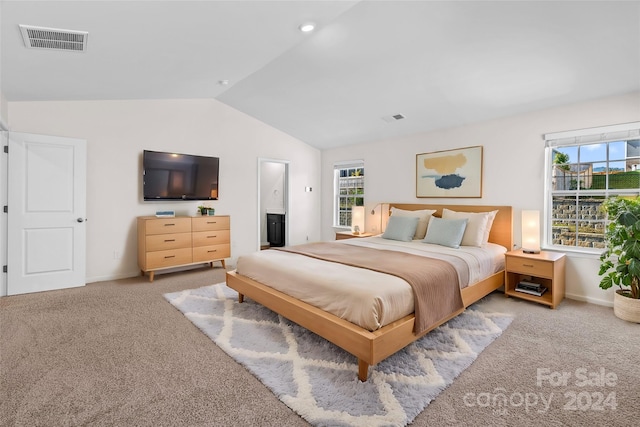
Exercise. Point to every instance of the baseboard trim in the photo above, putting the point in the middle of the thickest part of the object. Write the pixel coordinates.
(590, 300)
(112, 277)
(158, 272)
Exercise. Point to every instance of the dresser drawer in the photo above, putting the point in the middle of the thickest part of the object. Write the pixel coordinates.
(163, 242)
(168, 225)
(160, 259)
(208, 223)
(208, 238)
(530, 266)
(213, 252)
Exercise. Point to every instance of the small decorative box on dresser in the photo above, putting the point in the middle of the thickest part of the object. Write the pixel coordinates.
(535, 277)
(175, 242)
(341, 235)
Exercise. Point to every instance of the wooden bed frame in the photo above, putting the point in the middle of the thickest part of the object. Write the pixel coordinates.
(372, 347)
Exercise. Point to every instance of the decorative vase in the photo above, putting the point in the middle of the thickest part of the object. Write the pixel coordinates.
(626, 308)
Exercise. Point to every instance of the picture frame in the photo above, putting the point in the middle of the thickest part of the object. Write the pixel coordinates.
(450, 173)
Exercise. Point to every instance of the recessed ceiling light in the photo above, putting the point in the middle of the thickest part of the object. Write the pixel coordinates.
(307, 27)
(223, 82)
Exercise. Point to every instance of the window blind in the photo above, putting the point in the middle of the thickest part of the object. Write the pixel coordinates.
(348, 164)
(593, 135)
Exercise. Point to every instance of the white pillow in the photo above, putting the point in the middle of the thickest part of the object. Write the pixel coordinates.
(478, 227)
(423, 216)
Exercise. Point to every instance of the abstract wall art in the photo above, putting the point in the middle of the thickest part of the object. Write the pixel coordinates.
(450, 173)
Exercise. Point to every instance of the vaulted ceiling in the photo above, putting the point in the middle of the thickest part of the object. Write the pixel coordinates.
(437, 63)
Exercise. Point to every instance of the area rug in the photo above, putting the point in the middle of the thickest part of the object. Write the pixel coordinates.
(319, 380)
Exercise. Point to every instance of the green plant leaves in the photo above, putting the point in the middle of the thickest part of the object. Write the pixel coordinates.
(620, 262)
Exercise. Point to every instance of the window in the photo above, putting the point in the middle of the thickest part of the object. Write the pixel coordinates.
(348, 191)
(583, 169)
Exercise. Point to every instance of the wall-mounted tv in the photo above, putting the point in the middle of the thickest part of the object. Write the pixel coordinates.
(175, 176)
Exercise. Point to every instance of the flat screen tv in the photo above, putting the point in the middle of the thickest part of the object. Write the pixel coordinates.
(175, 176)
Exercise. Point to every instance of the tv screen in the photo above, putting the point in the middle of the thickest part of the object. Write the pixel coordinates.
(174, 176)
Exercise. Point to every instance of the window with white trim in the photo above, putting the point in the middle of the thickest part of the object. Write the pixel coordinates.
(348, 191)
(584, 168)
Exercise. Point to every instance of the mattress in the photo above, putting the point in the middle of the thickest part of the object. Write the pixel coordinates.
(366, 298)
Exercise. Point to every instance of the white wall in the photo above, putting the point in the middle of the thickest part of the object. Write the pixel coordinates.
(118, 131)
(513, 169)
(3, 110)
(3, 101)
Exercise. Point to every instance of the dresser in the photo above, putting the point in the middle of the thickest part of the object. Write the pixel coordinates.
(180, 241)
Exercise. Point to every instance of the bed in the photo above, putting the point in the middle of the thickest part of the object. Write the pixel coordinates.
(368, 344)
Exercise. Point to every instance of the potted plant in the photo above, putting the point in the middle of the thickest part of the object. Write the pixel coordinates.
(202, 209)
(620, 262)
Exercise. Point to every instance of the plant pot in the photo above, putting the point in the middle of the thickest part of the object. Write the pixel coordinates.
(626, 308)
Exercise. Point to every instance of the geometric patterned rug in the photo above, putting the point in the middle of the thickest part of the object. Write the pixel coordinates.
(319, 380)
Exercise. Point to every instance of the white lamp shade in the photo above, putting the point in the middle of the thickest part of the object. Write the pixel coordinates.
(357, 219)
(531, 232)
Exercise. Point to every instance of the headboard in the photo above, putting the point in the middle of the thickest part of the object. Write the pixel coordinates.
(501, 230)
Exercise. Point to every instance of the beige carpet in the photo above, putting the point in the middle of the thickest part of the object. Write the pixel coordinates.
(116, 353)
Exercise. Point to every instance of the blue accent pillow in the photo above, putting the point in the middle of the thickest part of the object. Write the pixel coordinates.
(446, 232)
(401, 228)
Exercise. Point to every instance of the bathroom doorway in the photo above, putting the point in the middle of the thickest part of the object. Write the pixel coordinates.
(273, 203)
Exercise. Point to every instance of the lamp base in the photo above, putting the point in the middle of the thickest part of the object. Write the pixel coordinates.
(530, 251)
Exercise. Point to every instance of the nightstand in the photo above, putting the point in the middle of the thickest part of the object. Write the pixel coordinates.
(546, 269)
(341, 235)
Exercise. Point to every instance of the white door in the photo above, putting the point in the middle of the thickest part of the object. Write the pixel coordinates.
(46, 213)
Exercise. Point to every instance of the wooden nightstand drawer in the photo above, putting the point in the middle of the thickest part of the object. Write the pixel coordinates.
(213, 252)
(163, 242)
(207, 223)
(168, 225)
(530, 266)
(169, 258)
(208, 238)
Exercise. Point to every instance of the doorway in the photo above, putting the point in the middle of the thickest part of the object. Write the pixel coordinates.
(273, 202)
(46, 217)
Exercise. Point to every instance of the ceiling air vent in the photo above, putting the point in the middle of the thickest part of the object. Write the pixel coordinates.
(54, 38)
(391, 119)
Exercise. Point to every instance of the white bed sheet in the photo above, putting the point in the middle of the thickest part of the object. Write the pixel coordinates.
(366, 298)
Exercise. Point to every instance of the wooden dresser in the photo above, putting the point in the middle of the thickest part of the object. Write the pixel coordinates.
(175, 242)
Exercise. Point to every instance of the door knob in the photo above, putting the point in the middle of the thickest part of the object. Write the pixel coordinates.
(80, 220)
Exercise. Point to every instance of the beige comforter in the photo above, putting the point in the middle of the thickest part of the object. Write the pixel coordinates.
(434, 282)
(364, 297)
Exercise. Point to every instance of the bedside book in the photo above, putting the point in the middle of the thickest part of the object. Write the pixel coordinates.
(531, 290)
(165, 214)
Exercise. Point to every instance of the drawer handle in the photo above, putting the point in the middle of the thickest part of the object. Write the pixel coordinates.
(166, 225)
(170, 256)
(214, 250)
(527, 265)
(211, 237)
(170, 240)
(212, 222)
